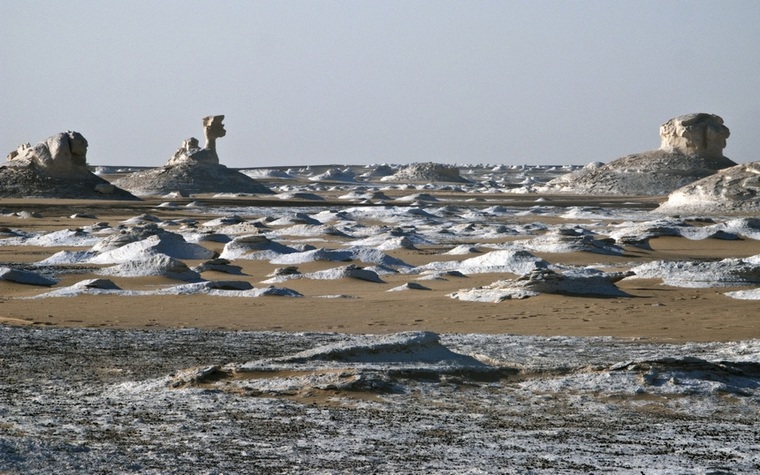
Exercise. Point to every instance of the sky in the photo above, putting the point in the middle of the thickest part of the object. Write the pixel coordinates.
(366, 82)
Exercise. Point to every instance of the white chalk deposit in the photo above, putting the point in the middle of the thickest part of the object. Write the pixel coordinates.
(365, 240)
(735, 190)
(190, 401)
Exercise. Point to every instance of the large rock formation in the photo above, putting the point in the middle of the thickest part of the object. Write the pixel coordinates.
(193, 170)
(735, 190)
(691, 148)
(213, 128)
(55, 168)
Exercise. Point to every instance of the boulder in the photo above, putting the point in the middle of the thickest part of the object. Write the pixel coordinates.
(694, 134)
(691, 148)
(587, 282)
(153, 265)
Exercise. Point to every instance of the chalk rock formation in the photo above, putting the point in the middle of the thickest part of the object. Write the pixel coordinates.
(426, 172)
(61, 154)
(193, 170)
(694, 134)
(735, 190)
(691, 148)
(213, 128)
(546, 281)
(55, 168)
(378, 172)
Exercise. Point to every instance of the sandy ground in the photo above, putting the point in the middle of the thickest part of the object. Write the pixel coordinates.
(653, 311)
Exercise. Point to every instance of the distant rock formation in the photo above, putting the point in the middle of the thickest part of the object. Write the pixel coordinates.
(378, 172)
(61, 154)
(426, 172)
(336, 174)
(213, 128)
(55, 168)
(735, 190)
(691, 148)
(694, 134)
(193, 170)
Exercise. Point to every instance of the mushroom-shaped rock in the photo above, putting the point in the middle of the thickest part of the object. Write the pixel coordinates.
(425, 172)
(193, 170)
(691, 148)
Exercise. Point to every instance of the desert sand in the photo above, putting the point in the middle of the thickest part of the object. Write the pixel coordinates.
(651, 311)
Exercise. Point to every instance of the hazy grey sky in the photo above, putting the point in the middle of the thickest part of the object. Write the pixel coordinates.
(353, 82)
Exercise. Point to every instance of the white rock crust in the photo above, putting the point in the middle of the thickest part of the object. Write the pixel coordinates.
(427, 171)
(735, 190)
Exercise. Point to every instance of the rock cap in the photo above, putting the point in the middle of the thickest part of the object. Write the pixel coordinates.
(694, 134)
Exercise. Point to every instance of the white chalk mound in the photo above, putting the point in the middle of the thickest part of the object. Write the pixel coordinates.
(350, 271)
(513, 261)
(254, 247)
(408, 348)
(546, 281)
(212, 288)
(335, 174)
(426, 172)
(734, 190)
(570, 240)
(363, 254)
(378, 364)
(169, 244)
(25, 277)
(731, 272)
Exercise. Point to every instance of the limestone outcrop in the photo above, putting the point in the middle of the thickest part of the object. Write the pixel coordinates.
(55, 168)
(691, 148)
(213, 128)
(735, 190)
(694, 134)
(193, 170)
(61, 154)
